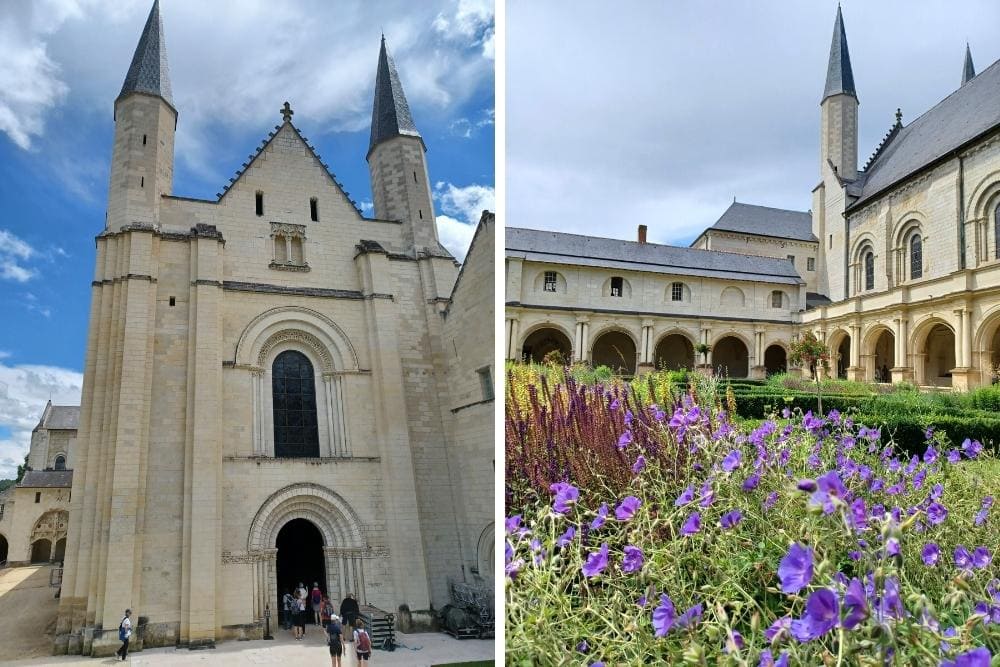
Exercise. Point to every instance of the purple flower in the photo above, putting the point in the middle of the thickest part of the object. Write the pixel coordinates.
(734, 642)
(626, 510)
(977, 657)
(936, 513)
(690, 617)
(972, 448)
(732, 460)
(707, 494)
(807, 485)
(930, 554)
(981, 557)
(855, 604)
(692, 525)
(687, 495)
(602, 514)
(596, 562)
(783, 624)
(954, 456)
(822, 614)
(830, 489)
(639, 465)
(583, 646)
(664, 616)
(751, 482)
(771, 499)
(625, 439)
(859, 514)
(931, 455)
(891, 547)
(512, 523)
(566, 493)
(730, 519)
(796, 569)
(628, 418)
(963, 559)
(891, 605)
(633, 559)
(597, 664)
(980, 517)
(567, 537)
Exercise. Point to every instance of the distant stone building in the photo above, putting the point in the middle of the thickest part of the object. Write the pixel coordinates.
(34, 513)
(276, 388)
(896, 267)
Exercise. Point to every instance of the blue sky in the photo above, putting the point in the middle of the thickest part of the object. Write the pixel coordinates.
(230, 71)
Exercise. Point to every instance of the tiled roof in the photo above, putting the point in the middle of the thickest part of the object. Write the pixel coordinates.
(966, 114)
(390, 111)
(63, 417)
(575, 249)
(149, 72)
(766, 221)
(47, 479)
(839, 75)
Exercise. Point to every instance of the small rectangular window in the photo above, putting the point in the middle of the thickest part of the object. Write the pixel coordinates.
(260, 203)
(486, 382)
(38, 496)
(142, 181)
(831, 240)
(677, 292)
(617, 285)
(776, 299)
(144, 140)
(810, 263)
(314, 209)
(550, 281)
(173, 301)
(791, 258)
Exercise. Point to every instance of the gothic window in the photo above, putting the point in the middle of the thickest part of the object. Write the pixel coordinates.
(916, 256)
(617, 286)
(869, 260)
(996, 231)
(776, 298)
(288, 251)
(60, 463)
(550, 281)
(810, 263)
(293, 390)
(677, 292)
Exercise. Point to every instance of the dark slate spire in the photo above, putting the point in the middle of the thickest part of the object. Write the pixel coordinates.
(839, 76)
(390, 112)
(149, 72)
(968, 70)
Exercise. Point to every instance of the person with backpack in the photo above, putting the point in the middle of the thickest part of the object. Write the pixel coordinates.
(334, 640)
(325, 611)
(124, 634)
(362, 643)
(349, 611)
(287, 603)
(299, 609)
(316, 597)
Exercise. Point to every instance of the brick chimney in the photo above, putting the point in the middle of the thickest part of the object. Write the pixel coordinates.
(642, 233)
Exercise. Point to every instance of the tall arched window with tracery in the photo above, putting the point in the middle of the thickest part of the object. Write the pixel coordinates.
(293, 389)
(916, 255)
(869, 259)
(996, 230)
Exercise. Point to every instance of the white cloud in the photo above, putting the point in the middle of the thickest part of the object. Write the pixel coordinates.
(455, 235)
(13, 252)
(24, 389)
(470, 21)
(461, 208)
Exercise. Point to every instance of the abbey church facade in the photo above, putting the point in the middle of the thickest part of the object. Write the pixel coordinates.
(276, 388)
(896, 266)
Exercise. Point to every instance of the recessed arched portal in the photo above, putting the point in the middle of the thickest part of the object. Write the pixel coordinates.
(731, 357)
(775, 360)
(883, 357)
(616, 350)
(542, 343)
(843, 359)
(938, 355)
(674, 352)
(3, 549)
(300, 557)
(59, 551)
(40, 551)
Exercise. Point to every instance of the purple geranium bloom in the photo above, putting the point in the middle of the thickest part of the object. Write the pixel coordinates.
(891, 605)
(977, 657)
(931, 455)
(512, 523)
(855, 604)
(664, 616)
(690, 617)
(633, 559)
(822, 614)
(963, 559)
(954, 456)
(782, 624)
(771, 499)
(626, 510)
(732, 460)
(734, 642)
(707, 494)
(807, 485)
(597, 664)
(639, 465)
(980, 517)
(930, 554)
(567, 537)
(981, 557)
(687, 495)
(566, 493)
(730, 519)
(596, 562)
(796, 569)
(583, 646)
(692, 525)
(751, 482)
(602, 514)
(936, 513)
(892, 547)
(859, 514)
(625, 439)
(830, 490)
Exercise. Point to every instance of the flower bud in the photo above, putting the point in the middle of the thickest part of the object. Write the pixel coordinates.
(807, 485)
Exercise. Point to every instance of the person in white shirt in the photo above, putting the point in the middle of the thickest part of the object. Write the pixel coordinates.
(124, 634)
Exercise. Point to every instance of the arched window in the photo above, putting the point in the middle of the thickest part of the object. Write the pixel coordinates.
(293, 390)
(916, 255)
(996, 230)
(617, 286)
(60, 463)
(869, 259)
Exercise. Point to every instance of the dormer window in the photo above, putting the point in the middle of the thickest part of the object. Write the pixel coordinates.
(617, 286)
(777, 298)
(550, 281)
(288, 247)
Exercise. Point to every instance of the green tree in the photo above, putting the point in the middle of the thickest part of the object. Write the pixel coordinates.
(21, 469)
(810, 350)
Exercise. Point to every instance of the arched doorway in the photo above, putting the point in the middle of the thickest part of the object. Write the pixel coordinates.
(541, 342)
(300, 557)
(938, 354)
(775, 360)
(883, 356)
(843, 357)
(59, 552)
(3, 549)
(40, 551)
(731, 358)
(674, 352)
(616, 350)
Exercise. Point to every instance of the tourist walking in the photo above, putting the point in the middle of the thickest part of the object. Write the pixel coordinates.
(300, 610)
(316, 597)
(334, 640)
(325, 611)
(362, 643)
(124, 634)
(349, 612)
(287, 601)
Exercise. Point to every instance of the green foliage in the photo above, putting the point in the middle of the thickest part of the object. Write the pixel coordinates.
(21, 469)
(6, 484)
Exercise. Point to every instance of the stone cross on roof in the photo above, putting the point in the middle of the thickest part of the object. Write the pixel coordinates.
(286, 112)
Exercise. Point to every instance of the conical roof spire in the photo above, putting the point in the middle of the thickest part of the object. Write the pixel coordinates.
(968, 69)
(149, 72)
(839, 76)
(390, 112)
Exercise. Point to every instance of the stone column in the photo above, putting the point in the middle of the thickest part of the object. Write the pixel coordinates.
(578, 341)
(585, 348)
(963, 377)
(645, 353)
(855, 370)
(332, 422)
(257, 396)
(512, 333)
(757, 370)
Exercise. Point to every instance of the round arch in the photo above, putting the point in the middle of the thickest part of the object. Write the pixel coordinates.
(933, 345)
(304, 325)
(731, 355)
(905, 224)
(544, 338)
(986, 346)
(486, 552)
(616, 348)
(839, 344)
(674, 350)
(41, 550)
(879, 351)
(985, 196)
(775, 358)
(51, 526)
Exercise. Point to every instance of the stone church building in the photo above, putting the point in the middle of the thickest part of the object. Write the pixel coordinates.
(896, 267)
(276, 388)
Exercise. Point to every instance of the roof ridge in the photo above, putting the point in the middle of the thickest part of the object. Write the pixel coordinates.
(886, 140)
(772, 208)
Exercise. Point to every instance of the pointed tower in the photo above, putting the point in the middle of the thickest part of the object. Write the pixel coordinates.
(142, 162)
(839, 108)
(968, 69)
(396, 162)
